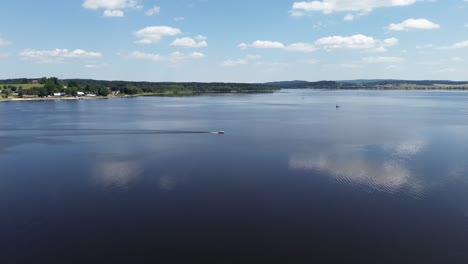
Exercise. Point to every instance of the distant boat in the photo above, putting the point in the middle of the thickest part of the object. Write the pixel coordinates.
(220, 132)
(337, 106)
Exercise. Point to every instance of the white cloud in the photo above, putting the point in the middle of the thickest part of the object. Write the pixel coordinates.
(150, 35)
(448, 70)
(113, 13)
(311, 61)
(295, 13)
(331, 6)
(109, 4)
(175, 57)
(456, 59)
(327, 43)
(233, 63)
(244, 61)
(410, 24)
(153, 11)
(4, 42)
(390, 42)
(253, 57)
(243, 46)
(425, 46)
(145, 56)
(348, 42)
(383, 59)
(58, 55)
(179, 19)
(301, 47)
(112, 8)
(349, 17)
(178, 57)
(384, 44)
(460, 45)
(190, 42)
(266, 44)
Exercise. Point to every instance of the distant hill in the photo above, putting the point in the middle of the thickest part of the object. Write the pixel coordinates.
(372, 84)
(305, 84)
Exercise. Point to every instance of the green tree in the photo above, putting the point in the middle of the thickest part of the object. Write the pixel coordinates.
(131, 89)
(53, 85)
(103, 91)
(72, 91)
(24, 81)
(7, 93)
(73, 84)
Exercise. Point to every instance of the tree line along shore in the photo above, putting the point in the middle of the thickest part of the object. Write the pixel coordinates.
(54, 88)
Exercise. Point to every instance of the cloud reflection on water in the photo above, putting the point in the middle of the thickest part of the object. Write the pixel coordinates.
(384, 169)
(169, 182)
(117, 175)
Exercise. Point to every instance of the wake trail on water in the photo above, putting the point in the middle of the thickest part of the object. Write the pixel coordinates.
(97, 132)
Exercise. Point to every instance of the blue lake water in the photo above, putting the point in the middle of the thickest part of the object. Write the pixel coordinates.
(382, 179)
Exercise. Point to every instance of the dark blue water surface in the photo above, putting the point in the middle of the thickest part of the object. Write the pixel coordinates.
(382, 179)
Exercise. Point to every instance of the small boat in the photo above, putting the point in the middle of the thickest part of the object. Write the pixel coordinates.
(220, 132)
(337, 106)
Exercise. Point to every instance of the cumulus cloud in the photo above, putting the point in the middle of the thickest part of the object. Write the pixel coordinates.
(153, 11)
(145, 56)
(263, 44)
(4, 42)
(390, 42)
(332, 6)
(109, 4)
(349, 17)
(383, 59)
(328, 43)
(58, 55)
(244, 61)
(113, 13)
(112, 8)
(233, 63)
(174, 58)
(460, 45)
(414, 24)
(346, 42)
(267, 44)
(198, 42)
(150, 35)
(301, 47)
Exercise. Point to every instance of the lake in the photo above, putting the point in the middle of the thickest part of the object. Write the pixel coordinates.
(382, 179)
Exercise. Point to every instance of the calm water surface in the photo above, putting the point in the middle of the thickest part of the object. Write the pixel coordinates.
(383, 179)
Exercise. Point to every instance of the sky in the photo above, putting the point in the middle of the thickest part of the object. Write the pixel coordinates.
(234, 41)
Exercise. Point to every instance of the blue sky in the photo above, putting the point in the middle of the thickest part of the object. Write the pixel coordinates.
(242, 41)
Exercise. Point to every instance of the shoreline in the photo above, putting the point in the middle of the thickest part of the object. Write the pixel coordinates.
(171, 94)
(167, 94)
